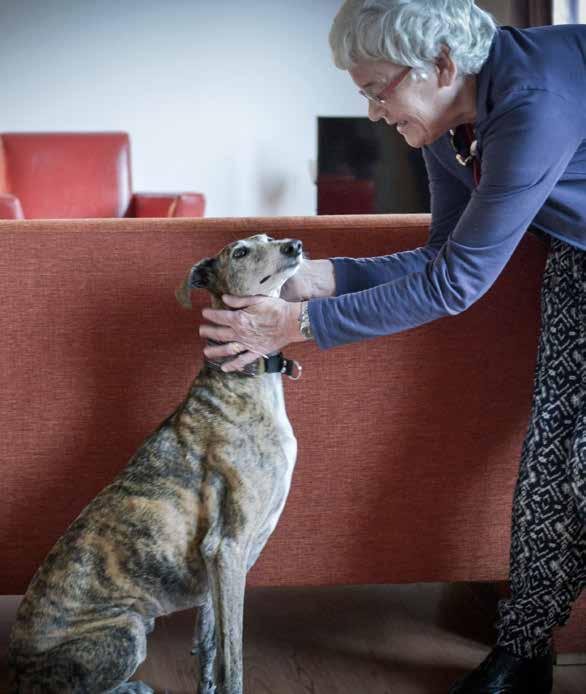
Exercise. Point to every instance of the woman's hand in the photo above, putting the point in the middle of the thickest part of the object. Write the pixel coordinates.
(315, 278)
(298, 287)
(263, 325)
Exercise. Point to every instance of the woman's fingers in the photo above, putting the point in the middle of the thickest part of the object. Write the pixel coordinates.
(224, 317)
(219, 316)
(216, 333)
(264, 326)
(227, 350)
(240, 362)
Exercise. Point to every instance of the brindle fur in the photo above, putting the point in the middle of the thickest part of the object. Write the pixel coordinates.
(179, 527)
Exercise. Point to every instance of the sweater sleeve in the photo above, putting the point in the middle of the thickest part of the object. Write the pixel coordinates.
(448, 200)
(527, 146)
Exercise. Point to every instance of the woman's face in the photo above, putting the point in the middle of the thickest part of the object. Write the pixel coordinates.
(422, 110)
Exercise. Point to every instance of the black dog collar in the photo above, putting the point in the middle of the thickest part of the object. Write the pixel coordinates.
(272, 364)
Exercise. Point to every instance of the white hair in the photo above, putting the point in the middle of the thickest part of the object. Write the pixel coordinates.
(412, 33)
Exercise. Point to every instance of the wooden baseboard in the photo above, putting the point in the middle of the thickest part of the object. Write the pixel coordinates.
(562, 659)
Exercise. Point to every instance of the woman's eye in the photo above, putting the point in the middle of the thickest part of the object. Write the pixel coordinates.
(240, 252)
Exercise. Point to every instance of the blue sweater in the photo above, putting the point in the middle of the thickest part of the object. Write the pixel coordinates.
(531, 129)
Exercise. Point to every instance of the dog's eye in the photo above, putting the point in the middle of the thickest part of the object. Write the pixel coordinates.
(240, 252)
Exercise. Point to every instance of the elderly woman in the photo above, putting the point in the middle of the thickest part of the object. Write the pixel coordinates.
(499, 114)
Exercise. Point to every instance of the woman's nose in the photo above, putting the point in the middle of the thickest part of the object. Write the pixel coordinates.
(375, 112)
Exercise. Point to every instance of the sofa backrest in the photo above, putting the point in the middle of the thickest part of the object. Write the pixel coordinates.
(67, 175)
(408, 444)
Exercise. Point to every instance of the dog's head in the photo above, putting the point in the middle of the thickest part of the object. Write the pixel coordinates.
(252, 266)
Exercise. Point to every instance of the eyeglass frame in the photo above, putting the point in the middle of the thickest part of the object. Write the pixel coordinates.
(383, 96)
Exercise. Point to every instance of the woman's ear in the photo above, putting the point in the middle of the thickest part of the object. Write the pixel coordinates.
(446, 68)
(200, 276)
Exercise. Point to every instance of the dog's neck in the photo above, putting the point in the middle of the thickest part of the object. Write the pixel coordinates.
(272, 363)
(216, 364)
(218, 304)
(255, 368)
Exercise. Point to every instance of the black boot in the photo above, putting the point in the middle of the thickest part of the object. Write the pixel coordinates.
(504, 673)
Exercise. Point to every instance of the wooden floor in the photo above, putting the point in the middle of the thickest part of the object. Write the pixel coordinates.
(415, 639)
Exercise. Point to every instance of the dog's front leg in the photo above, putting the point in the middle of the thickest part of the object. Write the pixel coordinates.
(204, 646)
(227, 578)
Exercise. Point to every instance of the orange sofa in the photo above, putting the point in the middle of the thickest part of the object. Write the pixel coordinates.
(408, 444)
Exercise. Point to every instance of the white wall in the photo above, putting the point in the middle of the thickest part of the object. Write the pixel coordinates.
(218, 96)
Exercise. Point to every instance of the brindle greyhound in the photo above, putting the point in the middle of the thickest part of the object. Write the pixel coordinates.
(179, 527)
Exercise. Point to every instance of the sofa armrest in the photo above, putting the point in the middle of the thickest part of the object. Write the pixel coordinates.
(167, 205)
(10, 207)
(189, 205)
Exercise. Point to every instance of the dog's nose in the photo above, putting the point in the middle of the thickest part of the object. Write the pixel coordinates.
(292, 248)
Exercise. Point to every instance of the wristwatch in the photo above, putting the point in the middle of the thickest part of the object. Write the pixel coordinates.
(304, 324)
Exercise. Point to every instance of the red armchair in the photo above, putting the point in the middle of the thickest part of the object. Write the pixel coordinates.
(78, 175)
(344, 195)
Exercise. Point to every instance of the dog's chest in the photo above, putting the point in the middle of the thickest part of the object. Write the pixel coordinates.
(288, 446)
(282, 424)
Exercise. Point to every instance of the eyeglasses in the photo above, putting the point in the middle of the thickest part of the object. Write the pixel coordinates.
(383, 96)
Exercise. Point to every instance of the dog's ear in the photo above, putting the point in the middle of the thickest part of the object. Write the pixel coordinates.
(200, 276)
